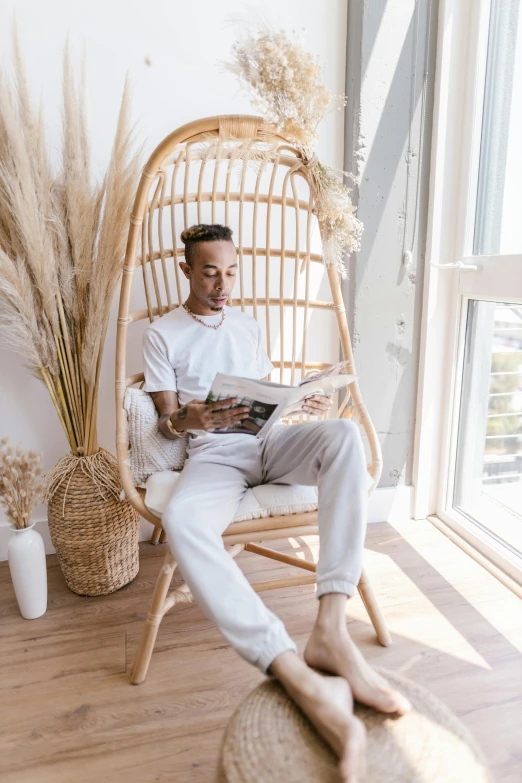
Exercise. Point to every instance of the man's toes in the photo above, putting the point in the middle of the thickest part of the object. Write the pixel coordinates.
(346, 767)
(386, 702)
(396, 702)
(403, 705)
(352, 764)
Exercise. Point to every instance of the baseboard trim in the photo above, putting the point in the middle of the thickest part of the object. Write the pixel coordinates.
(512, 581)
(386, 504)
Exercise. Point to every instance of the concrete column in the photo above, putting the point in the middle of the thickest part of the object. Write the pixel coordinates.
(390, 72)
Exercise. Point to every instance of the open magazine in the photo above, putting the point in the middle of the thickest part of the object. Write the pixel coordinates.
(268, 401)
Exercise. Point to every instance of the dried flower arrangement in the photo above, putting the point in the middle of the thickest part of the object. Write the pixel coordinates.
(286, 85)
(62, 241)
(20, 484)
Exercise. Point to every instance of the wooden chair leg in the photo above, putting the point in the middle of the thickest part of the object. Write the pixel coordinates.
(374, 610)
(152, 624)
(156, 533)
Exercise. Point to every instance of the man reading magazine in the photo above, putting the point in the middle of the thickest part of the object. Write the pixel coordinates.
(183, 353)
(268, 402)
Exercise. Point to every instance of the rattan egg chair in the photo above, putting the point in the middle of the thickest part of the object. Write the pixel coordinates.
(198, 174)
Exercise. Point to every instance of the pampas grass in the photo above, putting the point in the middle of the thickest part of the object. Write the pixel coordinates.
(62, 243)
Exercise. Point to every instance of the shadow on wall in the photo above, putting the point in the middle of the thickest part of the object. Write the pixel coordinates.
(394, 212)
(380, 167)
(396, 445)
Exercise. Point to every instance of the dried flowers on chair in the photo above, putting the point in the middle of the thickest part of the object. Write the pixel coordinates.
(287, 87)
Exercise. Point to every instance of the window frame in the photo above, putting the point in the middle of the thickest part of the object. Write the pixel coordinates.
(452, 274)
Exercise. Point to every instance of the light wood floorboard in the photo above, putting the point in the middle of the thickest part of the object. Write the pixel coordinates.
(68, 712)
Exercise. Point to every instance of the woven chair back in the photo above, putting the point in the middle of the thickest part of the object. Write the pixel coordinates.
(235, 171)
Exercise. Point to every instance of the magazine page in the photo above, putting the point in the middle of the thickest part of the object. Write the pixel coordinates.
(269, 401)
(325, 385)
(265, 400)
(341, 368)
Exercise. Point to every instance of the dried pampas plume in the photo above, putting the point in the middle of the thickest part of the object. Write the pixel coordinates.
(62, 243)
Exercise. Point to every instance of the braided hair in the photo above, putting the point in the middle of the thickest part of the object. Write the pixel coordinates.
(203, 232)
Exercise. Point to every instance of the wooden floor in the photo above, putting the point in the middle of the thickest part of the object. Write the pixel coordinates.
(68, 712)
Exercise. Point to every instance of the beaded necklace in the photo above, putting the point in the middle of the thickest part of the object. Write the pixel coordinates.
(209, 326)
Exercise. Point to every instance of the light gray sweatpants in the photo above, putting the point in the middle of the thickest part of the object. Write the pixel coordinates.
(327, 454)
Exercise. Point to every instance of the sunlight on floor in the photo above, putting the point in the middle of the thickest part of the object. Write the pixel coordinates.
(467, 578)
(420, 621)
(438, 627)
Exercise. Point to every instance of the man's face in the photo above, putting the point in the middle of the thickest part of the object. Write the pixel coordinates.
(212, 273)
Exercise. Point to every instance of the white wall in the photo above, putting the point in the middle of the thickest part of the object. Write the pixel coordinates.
(184, 43)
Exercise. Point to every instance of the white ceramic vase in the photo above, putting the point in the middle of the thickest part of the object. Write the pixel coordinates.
(26, 555)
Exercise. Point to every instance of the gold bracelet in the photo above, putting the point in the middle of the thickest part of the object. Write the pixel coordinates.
(173, 429)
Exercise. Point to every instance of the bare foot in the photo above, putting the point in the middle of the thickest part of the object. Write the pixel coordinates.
(334, 651)
(328, 703)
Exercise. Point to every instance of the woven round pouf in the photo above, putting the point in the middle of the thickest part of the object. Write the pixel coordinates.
(269, 740)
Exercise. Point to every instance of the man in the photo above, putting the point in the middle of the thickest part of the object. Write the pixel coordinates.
(182, 353)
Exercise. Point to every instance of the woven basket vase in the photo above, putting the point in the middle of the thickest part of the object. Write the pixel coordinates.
(94, 533)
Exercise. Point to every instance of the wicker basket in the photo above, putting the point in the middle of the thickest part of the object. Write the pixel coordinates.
(95, 534)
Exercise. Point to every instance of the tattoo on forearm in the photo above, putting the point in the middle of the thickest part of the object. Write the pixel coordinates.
(182, 413)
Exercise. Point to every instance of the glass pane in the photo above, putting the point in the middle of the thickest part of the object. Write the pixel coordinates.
(498, 227)
(488, 481)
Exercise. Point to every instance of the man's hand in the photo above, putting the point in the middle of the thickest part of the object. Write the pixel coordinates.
(197, 415)
(317, 404)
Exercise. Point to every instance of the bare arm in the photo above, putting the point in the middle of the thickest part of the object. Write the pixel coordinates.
(166, 403)
(195, 415)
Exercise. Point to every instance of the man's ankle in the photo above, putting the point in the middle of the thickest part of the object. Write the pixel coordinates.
(331, 617)
(295, 675)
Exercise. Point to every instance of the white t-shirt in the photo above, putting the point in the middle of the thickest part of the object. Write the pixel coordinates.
(182, 355)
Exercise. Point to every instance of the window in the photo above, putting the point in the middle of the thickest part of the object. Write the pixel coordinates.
(488, 471)
(498, 227)
(468, 462)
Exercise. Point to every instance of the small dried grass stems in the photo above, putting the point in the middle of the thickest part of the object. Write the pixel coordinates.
(62, 244)
(286, 85)
(20, 485)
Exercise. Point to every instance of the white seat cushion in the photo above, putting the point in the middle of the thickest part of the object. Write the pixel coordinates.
(266, 500)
